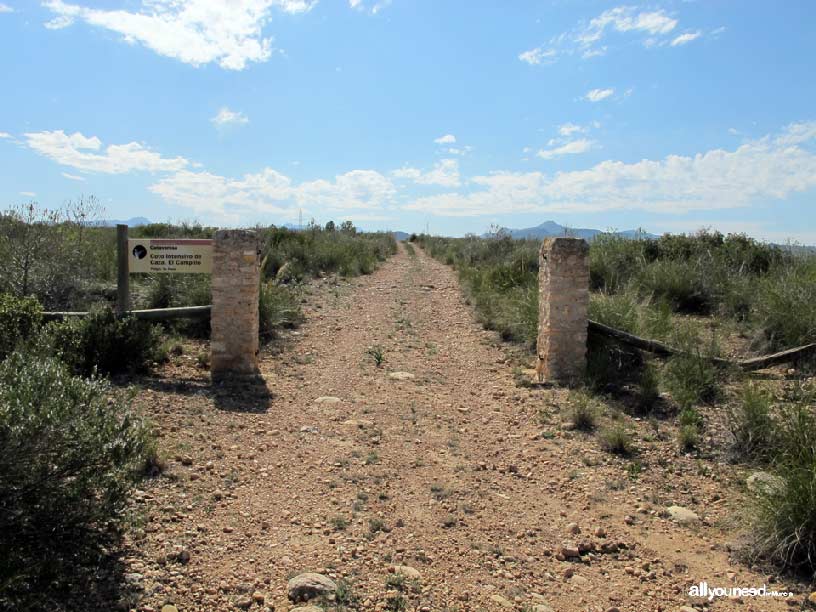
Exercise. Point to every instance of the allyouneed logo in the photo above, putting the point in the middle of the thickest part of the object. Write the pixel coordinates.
(703, 590)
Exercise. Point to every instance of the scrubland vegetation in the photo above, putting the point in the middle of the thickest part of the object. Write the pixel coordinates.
(72, 446)
(707, 295)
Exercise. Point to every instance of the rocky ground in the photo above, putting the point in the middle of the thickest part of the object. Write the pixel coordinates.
(430, 481)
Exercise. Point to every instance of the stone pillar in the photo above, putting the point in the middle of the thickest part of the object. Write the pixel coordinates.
(563, 301)
(234, 318)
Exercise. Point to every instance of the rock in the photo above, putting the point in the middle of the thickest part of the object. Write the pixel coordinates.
(573, 528)
(400, 376)
(309, 586)
(542, 607)
(186, 460)
(812, 598)
(682, 516)
(503, 602)
(327, 399)
(687, 609)
(569, 550)
(169, 608)
(600, 532)
(763, 482)
(409, 572)
(258, 597)
(244, 603)
(361, 423)
(306, 609)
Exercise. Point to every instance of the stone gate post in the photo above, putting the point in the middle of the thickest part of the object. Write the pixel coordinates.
(234, 318)
(563, 302)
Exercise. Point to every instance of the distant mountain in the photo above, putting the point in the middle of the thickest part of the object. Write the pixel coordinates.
(132, 222)
(551, 228)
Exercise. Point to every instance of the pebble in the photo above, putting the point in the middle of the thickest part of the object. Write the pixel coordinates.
(682, 516)
(400, 376)
(328, 399)
(309, 586)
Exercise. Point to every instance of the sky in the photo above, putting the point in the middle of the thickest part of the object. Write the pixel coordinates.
(446, 115)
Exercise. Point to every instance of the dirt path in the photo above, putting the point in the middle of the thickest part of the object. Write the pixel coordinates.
(455, 471)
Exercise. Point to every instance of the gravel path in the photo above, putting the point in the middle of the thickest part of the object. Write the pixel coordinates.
(437, 459)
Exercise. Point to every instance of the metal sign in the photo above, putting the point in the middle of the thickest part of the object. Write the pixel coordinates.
(170, 256)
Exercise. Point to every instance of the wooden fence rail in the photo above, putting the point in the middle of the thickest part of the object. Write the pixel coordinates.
(643, 344)
(153, 314)
(664, 350)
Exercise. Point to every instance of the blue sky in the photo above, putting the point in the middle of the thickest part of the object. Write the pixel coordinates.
(402, 114)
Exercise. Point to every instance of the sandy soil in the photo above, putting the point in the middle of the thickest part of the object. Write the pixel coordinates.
(454, 469)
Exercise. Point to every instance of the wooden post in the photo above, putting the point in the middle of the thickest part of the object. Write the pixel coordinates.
(122, 272)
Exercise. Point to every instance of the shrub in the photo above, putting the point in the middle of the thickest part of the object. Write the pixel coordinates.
(19, 319)
(616, 440)
(614, 260)
(102, 342)
(691, 377)
(278, 308)
(786, 305)
(583, 414)
(679, 283)
(784, 522)
(688, 437)
(620, 311)
(648, 387)
(751, 424)
(71, 452)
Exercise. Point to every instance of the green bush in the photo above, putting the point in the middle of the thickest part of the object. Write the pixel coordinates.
(691, 377)
(19, 319)
(786, 305)
(72, 449)
(616, 440)
(102, 342)
(583, 413)
(614, 260)
(751, 424)
(784, 520)
(316, 250)
(679, 283)
(278, 308)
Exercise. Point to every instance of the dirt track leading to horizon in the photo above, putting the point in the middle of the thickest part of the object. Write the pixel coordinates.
(455, 470)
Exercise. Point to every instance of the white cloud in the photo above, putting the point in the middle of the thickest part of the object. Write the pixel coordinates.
(568, 129)
(195, 32)
(626, 19)
(538, 56)
(769, 168)
(28, 194)
(6, 135)
(369, 7)
(73, 177)
(596, 95)
(685, 38)
(271, 192)
(5, 8)
(444, 173)
(574, 147)
(446, 139)
(654, 27)
(83, 153)
(227, 117)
